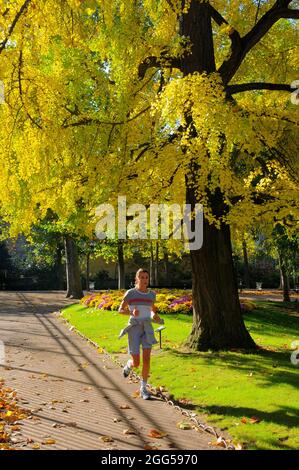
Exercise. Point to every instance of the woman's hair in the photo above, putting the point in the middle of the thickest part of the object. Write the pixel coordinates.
(141, 270)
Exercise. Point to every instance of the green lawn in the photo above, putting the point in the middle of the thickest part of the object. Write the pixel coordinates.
(225, 386)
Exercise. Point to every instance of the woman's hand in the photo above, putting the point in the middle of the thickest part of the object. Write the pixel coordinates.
(156, 318)
(135, 312)
(124, 308)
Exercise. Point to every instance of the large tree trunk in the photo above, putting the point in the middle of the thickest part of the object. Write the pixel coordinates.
(152, 266)
(87, 270)
(285, 278)
(217, 318)
(246, 265)
(121, 266)
(59, 267)
(74, 287)
(166, 268)
(157, 265)
(280, 278)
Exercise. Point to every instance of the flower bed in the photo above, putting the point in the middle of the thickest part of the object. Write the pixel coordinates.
(167, 301)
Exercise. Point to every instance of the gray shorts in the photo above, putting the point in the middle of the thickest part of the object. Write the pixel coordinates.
(136, 337)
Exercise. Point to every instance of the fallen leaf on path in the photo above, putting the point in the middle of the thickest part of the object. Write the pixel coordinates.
(148, 447)
(136, 394)
(116, 420)
(106, 439)
(156, 434)
(183, 425)
(4, 437)
(35, 446)
(125, 407)
(49, 442)
(129, 431)
(84, 364)
(15, 428)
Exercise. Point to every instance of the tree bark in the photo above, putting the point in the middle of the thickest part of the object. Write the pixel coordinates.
(246, 265)
(217, 318)
(157, 265)
(285, 278)
(152, 269)
(87, 270)
(280, 278)
(74, 287)
(166, 269)
(59, 267)
(121, 266)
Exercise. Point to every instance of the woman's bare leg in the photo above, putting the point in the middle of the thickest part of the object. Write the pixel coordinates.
(146, 363)
(135, 361)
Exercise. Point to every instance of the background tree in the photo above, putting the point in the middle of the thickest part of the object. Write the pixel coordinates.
(164, 106)
(212, 124)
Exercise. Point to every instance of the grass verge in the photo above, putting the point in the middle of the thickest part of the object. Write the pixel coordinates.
(230, 388)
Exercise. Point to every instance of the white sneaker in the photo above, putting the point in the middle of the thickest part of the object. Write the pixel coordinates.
(126, 371)
(144, 393)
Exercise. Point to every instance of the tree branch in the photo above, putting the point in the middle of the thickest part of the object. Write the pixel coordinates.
(233, 33)
(13, 24)
(5, 12)
(158, 62)
(20, 65)
(111, 123)
(256, 198)
(240, 50)
(239, 88)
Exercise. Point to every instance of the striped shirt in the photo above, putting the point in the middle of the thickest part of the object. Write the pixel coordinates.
(141, 300)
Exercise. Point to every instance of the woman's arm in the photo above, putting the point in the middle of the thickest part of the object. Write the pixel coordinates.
(155, 317)
(124, 308)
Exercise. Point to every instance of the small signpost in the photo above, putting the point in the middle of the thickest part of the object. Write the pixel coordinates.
(159, 330)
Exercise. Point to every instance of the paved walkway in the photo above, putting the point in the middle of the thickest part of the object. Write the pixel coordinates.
(273, 295)
(74, 393)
